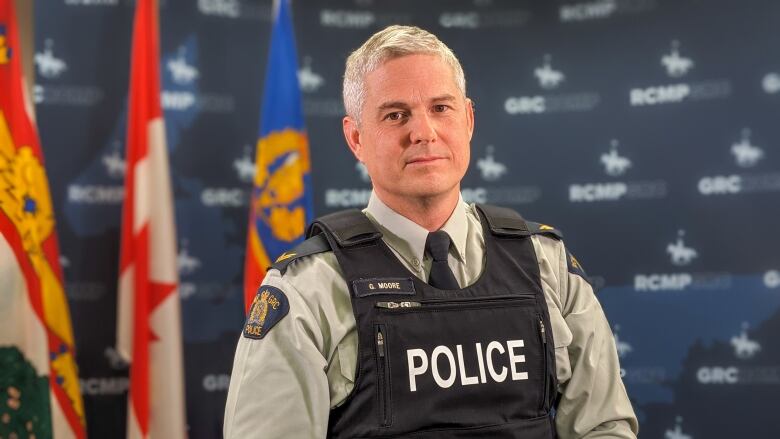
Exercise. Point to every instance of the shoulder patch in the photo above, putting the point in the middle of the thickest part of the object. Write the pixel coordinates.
(315, 244)
(269, 307)
(544, 229)
(575, 267)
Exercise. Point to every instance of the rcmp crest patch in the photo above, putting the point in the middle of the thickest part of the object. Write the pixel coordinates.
(268, 308)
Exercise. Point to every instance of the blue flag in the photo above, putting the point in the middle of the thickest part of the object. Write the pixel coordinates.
(281, 200)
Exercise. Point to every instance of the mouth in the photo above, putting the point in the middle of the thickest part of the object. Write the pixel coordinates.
(424, 160)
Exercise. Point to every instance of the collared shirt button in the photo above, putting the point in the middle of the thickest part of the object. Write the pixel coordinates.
(415, 262)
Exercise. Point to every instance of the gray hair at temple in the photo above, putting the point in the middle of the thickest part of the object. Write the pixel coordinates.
(389, 43)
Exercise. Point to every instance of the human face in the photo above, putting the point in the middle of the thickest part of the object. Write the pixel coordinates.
(415, 132)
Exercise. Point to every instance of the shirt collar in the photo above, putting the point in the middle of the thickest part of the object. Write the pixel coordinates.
(408, 237)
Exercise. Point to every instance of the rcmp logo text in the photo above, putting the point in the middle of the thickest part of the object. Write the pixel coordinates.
(346, 19)
(548, 79)
(746, 155)
(347, 197)
(216, 382)
(502, 194)
(491, 171)
(677, 66)
(744, 348)
(67, 95)
(485, 19)
(601, 9)
(99, 386)
(616, 165)
(224, 197)
(587, 11)
(95, 194)
(223, 8)
(681, 254)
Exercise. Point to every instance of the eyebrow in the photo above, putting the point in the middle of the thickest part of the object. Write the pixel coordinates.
(404, 105)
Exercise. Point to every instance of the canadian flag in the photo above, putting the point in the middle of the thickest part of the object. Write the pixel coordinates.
(149, 322)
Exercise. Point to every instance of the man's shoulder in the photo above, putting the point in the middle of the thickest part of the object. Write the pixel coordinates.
(543, 229)
(301, 282)
(504, 216)
(310, 248)
(550, 242)
(308, 270)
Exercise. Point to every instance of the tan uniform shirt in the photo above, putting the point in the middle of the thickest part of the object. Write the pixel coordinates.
(284, 385)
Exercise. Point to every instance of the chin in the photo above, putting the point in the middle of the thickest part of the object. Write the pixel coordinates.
(427, 188)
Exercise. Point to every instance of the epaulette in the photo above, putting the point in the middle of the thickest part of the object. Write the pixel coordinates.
(575, 267)
(544, 229)
(572, 263)
(315, 244)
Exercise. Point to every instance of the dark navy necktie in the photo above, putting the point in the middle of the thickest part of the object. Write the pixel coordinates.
(438, 246)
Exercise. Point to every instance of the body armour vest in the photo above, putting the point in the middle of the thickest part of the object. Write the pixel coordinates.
(477, 362)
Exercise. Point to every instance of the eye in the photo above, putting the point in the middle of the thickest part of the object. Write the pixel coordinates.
(440, 108)
(394, 116)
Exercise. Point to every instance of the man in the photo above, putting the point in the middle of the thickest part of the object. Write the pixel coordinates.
(423, 315)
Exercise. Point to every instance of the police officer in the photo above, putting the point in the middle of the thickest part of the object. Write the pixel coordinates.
(423, 316)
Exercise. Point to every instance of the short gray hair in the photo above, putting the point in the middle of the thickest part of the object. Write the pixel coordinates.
(389, 43)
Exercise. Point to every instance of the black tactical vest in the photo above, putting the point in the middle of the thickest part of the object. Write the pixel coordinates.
(477, 362)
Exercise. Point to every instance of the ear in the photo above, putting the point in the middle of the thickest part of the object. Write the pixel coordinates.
(470, 116)
(352, 135)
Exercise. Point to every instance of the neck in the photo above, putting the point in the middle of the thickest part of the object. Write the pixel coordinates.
(429, 212)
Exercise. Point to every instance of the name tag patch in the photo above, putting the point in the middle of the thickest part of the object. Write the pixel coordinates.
(385, 285)
(269, 306)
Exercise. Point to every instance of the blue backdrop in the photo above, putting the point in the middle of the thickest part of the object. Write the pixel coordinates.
(647, 130)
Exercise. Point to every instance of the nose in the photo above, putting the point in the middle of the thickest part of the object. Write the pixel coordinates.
(422, 129)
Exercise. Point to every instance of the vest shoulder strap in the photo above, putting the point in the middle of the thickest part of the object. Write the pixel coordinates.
(544, 229)
(507, 222)
(311, 246)
(347, 228)
(503, 221)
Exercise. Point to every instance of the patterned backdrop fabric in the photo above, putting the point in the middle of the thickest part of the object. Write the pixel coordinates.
(647, 130)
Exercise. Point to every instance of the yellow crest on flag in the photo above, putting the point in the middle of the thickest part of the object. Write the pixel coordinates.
(24, 194)
(5, 51)
(25, 200)
(287, 153)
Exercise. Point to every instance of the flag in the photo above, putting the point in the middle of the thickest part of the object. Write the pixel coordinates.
(39, 386)
(281, 200)
(149, 322)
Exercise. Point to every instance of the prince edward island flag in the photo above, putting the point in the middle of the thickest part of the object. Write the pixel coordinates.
(281, 201)
(39, 387)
